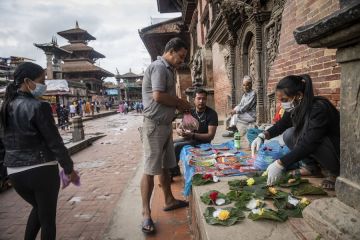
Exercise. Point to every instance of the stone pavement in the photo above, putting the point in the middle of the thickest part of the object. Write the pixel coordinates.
(105, 168)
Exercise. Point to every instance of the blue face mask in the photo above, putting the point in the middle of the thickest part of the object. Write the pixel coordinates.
(39, 90)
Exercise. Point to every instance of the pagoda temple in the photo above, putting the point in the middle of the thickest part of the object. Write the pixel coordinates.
(80, 65)
(75, 61)
(130, 85)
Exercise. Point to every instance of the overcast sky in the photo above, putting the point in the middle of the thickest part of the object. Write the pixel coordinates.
(114, 24)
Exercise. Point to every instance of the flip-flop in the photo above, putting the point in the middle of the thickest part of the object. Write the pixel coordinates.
(312, 174)
(328, 184)
(148, 226)
(179, 204)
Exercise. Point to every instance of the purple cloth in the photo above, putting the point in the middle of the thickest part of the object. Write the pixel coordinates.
(65, 180)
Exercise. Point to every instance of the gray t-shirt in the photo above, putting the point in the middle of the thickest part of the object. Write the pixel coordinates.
(159, 76)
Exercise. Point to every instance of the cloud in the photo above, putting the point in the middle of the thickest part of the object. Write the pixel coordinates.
(114, 23)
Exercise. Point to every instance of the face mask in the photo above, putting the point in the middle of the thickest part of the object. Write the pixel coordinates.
(39, 90)
(288, 106)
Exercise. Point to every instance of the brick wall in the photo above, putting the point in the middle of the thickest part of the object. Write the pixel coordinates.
(222, 85)
(299, 59)
(183, 82)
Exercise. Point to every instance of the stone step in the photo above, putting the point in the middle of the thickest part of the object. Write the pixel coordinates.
(294, 228)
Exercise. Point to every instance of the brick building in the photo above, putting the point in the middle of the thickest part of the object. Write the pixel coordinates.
(230, 38)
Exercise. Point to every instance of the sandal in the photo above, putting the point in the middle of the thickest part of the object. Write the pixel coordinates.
(178, 204)
(304, 172)
(148, 226)
(328, 184)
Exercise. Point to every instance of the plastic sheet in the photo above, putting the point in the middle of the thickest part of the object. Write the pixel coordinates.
(268, 153)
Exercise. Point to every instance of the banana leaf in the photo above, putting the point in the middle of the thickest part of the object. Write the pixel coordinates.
(269, 214)
(288, 180)
(205, 198)
(237, 184)
(307, 189)
(292, 211)
(236, 215)
(198, 180)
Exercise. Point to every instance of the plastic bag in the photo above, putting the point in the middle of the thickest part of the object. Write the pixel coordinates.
(189, 123)
(268, 153)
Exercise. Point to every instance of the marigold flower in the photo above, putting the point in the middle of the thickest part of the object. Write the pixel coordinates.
(261, 212)
(250, 181)
(272, 190)
(305, 201)
(258, 202)
(223, 215)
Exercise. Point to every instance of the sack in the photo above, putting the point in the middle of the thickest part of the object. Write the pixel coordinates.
(189, 123)
(268, 153)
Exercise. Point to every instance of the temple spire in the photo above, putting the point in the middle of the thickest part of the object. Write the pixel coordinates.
(77, 24)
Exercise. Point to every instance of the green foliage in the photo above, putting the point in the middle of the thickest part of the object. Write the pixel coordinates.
(307, 189)
(205, 198)
(198, 180)
(236, 215)
(269, 214)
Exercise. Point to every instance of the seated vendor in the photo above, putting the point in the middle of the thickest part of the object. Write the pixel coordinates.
(208, 122)
(245, 112)
(311, 129)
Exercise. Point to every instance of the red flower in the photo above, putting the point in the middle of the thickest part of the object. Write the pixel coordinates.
(213, 196)
(207, 176)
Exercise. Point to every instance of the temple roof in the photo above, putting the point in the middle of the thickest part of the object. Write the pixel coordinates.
(82, 47)
(52, 47)
(156, 36)
(168, 6)
(84, 66)
(131, 75)
(76, 34)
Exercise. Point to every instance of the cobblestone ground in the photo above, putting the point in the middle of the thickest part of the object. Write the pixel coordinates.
(105, 168)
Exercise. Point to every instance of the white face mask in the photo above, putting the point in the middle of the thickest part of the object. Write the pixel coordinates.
(288, 106)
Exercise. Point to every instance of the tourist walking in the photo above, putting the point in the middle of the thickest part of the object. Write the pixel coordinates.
(160, 102)
(33, 148)
(72, 110)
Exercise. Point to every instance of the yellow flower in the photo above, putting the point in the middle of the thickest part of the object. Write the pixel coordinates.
(264, 174)
(261, 212)
(258, 203)
(223, 215)
(305, 201)
(250, 181)
(272, 190)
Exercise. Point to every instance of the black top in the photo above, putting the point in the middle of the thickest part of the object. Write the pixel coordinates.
(31, 136)
(206, 118)
(323, 121)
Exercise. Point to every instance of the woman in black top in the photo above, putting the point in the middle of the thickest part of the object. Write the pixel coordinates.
(311, 127)
(32, 148)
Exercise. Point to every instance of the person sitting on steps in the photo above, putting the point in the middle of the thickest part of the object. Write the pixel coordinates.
(245, 112)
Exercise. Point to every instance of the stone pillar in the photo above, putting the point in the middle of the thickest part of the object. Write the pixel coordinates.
(339, 218)
(78, 129)
(49, 66)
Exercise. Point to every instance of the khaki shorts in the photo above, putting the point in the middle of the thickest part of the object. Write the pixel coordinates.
(158, 147)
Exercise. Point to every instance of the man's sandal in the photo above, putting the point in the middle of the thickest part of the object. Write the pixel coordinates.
(148, 226)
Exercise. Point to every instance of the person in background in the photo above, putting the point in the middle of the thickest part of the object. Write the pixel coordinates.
(160, 103)
(72, 109)
(245, 112)
(33, 148)
(208, 122)
(311, 130)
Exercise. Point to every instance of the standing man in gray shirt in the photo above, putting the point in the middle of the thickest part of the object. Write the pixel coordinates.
(160, 103)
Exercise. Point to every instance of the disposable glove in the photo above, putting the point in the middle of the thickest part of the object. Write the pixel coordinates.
(255, 145)
(274, 172)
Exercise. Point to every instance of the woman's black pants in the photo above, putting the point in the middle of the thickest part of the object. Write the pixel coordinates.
(40, 188)
(324, 155)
